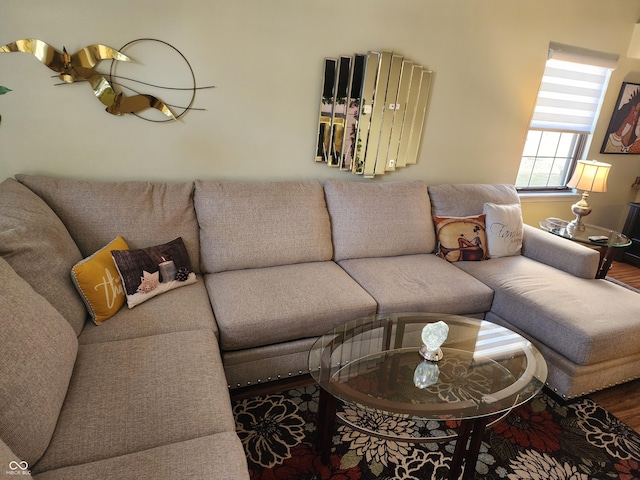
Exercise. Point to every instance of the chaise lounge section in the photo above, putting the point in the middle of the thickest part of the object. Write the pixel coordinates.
(587, 329)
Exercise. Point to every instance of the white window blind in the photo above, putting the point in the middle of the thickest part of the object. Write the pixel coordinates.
(572, 88)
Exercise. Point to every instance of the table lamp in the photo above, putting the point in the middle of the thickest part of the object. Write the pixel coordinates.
(589, 176)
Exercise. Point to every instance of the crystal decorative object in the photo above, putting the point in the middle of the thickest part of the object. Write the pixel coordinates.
(433, 336)
(426, 374)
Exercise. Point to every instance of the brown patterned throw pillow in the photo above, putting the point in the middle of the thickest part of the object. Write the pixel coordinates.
(148, 272)
(461, 238)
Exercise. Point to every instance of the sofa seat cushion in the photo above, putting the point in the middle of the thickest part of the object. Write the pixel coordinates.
(38, 353)
(186, 308)
(143, 213)
(39, 248)
(256, 225)
(218, 456)
(265, 306)
(585, 320)
(379, 220)
(419, 283)
(132, 395)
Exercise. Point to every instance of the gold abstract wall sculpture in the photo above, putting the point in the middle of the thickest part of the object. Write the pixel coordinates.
(80, 66)
(372, 112)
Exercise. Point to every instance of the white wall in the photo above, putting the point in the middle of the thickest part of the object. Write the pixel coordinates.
(265, 58)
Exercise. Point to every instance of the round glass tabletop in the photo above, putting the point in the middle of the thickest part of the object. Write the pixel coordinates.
(374, 363)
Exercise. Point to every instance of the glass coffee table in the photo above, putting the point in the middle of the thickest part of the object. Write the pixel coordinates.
(374, 364)
(607, 241)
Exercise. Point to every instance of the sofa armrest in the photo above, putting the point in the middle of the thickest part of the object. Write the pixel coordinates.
(558, 252)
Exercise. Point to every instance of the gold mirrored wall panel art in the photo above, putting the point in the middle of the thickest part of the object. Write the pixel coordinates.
(410, 114)
(421, 113)
(339, 112)
(372, 112)
(368, 90)
(327, 99)
(399, 117)
(353, 110)
(373, 143)
(388, 115)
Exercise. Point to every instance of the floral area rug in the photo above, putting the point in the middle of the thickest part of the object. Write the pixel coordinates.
(540, 440)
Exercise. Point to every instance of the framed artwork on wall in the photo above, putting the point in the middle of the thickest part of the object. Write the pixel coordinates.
(623, 133)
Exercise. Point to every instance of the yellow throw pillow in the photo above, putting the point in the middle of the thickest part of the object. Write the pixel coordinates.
(461, 238)
(98, 281)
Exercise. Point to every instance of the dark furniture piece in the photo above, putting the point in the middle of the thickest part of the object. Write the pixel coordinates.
(632, 230)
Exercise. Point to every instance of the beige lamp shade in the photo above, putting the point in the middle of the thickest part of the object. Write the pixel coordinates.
(590, 176)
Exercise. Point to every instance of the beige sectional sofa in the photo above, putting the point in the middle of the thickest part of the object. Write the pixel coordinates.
(277, 264)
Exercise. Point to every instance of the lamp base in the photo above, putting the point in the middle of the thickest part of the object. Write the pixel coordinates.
(576, 225)
(580, 209)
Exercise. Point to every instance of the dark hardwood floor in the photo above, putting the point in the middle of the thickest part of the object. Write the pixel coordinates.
(623, 401)
(625, 273)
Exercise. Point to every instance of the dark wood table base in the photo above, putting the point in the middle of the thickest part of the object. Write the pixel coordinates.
(467, 448)
(468, 443)
(607, 256)
(327, 407)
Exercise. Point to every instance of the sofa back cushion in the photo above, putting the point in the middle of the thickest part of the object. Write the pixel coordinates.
(379, 220)
(463, 200)
(254, 225)
(38, 246)
(39, 349)
(143, 213)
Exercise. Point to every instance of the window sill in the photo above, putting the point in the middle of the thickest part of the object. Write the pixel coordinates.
(531, 197)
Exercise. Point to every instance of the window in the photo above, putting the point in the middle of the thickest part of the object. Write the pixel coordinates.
(566, 111)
